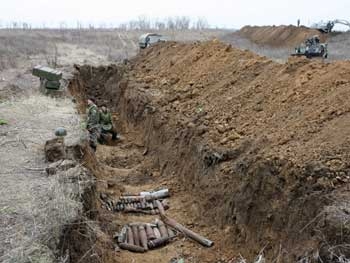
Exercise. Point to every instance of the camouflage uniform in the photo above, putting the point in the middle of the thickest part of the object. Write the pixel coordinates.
(93, 125)
(107, 125)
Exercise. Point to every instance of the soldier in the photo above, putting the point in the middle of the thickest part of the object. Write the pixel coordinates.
(93, 123)
(106, 123)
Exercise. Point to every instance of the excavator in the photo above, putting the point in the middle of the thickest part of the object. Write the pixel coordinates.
(327, 27)
(312, 47)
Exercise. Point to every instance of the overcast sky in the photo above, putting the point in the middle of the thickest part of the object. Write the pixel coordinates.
(222, 13)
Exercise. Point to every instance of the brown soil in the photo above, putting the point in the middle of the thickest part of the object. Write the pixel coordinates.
(255, 152)
(279, 36)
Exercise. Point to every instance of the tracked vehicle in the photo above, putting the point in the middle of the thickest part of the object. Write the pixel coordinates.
(312, 47)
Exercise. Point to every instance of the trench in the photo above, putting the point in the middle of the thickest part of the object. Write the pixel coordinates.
(241, 201)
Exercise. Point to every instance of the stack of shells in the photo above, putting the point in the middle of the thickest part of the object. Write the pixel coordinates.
(139, 204)
(144, 202)
(140, 237)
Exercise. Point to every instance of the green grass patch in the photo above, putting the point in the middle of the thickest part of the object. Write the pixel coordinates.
(3, 122)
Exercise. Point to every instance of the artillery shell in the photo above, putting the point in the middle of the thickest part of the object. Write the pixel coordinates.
(156, 211)
(158, 242)
(157, 232)
(171, 233)
(143, 237)
(122, 235)
(150, 233)
(143, 204)
(132, 248)
(130, 236)
(135, 232)
(162, 229)
(160, 207)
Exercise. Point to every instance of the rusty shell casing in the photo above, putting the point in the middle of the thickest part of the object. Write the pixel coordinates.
(128, 194)
(143, 237)
(160, 207)
(162, 229)
(135, 233)
(193, 235)
(129, 236)
(158, 242)
(149, 232)
(156, 232)
(122, 235)
(132, 248)
(171, 233)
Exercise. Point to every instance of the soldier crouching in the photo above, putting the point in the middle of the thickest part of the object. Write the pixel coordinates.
(93, 123)
(106, 124)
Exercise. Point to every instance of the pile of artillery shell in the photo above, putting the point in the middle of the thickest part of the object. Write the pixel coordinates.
(140, 237)
(133, 204)
(144, 202)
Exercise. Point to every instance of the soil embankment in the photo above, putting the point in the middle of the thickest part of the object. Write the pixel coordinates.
(279, 36)
(256, 151)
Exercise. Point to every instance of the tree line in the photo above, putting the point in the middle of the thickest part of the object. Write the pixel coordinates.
(141, 23)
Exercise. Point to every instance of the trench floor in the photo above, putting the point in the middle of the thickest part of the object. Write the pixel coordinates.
(125, 167)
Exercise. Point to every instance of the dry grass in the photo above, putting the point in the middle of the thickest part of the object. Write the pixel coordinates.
(33, 207)
(39, 46)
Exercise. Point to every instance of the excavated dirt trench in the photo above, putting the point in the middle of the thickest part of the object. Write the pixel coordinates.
(239, 140)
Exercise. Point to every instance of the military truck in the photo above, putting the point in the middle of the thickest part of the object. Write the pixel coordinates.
(149, 39)
(312, 47)
(49, 78)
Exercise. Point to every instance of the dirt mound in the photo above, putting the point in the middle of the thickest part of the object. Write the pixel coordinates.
(274, 134)
(262, 147)
(278, 36)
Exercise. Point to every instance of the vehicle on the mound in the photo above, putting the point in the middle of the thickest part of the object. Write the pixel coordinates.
(327, 27)
(149, 39)
(312, 47)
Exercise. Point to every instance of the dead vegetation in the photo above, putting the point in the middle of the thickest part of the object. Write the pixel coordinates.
(35, 207)
(49, 46)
